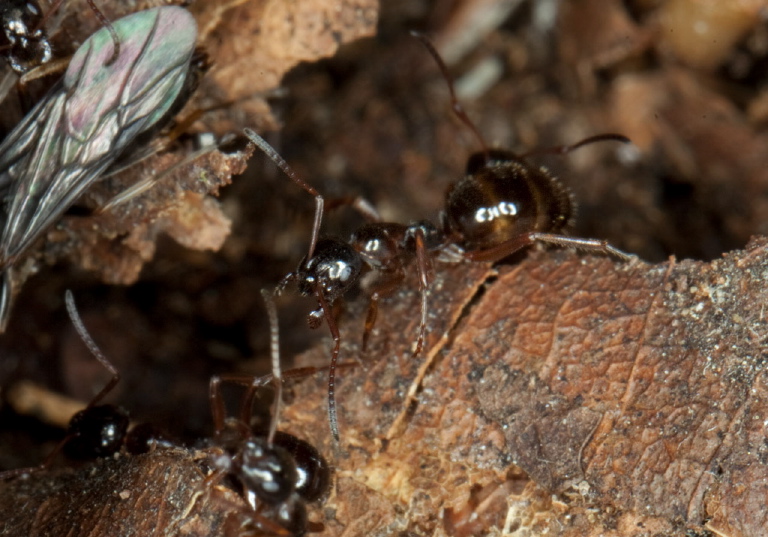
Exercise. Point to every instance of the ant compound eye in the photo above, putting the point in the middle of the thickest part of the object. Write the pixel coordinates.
(268, 471)
(96, 432)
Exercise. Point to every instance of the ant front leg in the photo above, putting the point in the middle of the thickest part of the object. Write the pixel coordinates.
(385, 285)
(325, 308)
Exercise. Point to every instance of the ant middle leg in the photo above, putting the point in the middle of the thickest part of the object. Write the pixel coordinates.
(507, 248)
(364, 207)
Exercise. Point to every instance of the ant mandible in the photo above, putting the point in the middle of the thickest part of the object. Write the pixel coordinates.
(501, 205)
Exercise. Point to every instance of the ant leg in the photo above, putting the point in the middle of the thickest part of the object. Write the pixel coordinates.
(218, 410)
(370, 319)
(280, 162)
(384, 286)
(511, 246)
(563, 149)
(500, 251)
(217, 405)
(333, 419)
(424, 266)
(358, 203)
(590, 245)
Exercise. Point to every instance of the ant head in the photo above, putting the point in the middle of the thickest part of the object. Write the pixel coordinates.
(332, 270)
(96, 431)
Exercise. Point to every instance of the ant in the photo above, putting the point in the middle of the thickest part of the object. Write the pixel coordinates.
(276, 473)
(503, 204)
(23, 40)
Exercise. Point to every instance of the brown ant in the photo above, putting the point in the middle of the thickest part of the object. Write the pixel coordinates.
(501, 205)
(276, 474)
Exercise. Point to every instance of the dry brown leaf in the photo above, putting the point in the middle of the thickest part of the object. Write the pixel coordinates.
(160, 493)
(635, 394)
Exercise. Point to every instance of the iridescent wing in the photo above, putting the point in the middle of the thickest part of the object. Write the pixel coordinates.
(88, 119)
(23, 41)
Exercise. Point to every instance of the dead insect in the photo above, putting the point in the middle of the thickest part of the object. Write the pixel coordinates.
(502, 204)
(87, 121)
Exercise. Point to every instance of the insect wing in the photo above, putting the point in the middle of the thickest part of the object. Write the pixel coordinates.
(22, 40)
(71, 137)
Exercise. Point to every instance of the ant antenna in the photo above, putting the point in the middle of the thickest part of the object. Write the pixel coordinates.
(274, 348)
(86, 338)
(280, 162)
(458, 109)
(105, 22)
(563, 149)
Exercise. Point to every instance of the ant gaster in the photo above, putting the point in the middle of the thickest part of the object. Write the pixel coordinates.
(501, 205)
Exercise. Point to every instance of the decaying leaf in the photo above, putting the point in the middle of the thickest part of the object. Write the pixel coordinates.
(633, 394)
(160, 493)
